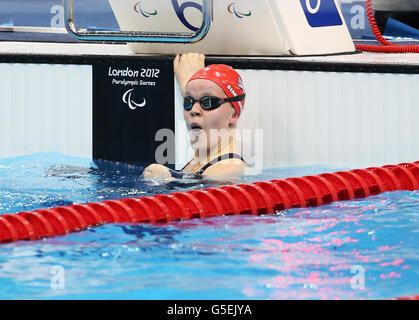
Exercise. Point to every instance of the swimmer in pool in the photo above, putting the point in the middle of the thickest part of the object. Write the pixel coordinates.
(213, 101)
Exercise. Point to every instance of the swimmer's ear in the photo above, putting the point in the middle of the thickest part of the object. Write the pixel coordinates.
(233, 119)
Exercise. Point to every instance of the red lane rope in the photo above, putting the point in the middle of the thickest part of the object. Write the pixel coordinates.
(257, 198)
(409, 298)
(386, 46)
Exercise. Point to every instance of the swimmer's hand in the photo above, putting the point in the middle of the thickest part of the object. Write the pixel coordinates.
(157, 171)
(185, 66)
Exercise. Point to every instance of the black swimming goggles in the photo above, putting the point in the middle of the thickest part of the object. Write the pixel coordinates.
(209, 103)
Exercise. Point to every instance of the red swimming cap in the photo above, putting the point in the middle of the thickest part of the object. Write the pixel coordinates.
(227, 78)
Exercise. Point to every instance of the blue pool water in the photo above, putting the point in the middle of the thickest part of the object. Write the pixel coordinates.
(361, 249)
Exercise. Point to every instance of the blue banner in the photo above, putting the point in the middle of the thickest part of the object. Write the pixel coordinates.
(321, 13)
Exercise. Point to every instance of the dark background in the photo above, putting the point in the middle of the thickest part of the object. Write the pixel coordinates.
(125, 135)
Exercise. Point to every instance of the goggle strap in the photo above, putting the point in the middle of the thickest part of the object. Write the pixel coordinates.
(236, 98)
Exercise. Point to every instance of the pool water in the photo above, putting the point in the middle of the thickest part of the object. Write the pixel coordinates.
(360, 249)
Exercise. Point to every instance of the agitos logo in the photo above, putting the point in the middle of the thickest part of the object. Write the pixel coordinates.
(138, 8)
(127, 99)
(232, 8)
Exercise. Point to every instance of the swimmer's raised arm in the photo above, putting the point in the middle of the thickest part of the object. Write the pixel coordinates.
(185, 66)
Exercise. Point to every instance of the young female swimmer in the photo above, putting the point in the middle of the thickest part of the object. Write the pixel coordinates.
(213, 101)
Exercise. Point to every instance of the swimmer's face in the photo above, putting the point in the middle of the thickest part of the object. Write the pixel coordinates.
(200, 122)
